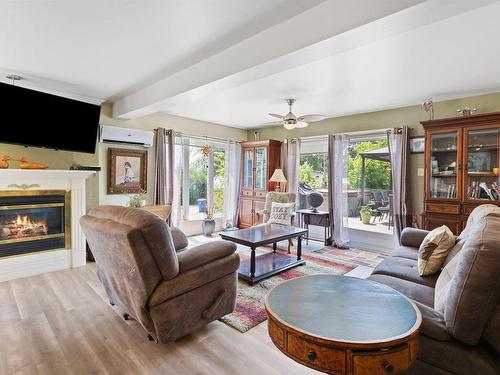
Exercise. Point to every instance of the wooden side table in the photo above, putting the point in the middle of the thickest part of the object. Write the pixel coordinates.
(344, 325)
(308, 217)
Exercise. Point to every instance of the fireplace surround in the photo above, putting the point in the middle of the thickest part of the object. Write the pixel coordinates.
(34, 221)
(69, 251)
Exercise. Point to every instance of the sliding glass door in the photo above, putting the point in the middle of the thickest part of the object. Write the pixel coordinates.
(369, 184)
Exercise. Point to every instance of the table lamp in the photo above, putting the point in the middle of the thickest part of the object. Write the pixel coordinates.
(278, 177)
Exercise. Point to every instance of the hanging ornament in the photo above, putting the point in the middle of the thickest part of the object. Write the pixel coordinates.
(428, 106)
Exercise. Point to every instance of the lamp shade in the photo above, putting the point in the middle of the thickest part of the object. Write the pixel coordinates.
(278, 176)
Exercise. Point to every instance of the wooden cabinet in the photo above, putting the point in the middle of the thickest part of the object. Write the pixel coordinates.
(259, 160)
(462, 161)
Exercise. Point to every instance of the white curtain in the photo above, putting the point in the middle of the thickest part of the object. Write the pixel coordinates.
(293, 166)
(177, 178)
(232, 167)
(337, 188)
(398, 149)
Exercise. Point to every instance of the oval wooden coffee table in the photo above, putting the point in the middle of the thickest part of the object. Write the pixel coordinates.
(344, 325)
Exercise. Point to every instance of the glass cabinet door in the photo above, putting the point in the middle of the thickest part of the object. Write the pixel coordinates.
(260, 167)
(481, 164)
(248, 168)
(444, 165)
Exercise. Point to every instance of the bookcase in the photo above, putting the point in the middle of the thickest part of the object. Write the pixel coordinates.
(462, 160)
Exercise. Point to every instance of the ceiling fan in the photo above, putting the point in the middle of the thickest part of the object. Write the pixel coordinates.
(290, 121)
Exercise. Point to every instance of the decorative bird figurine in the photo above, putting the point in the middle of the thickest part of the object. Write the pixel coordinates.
(25, 164)
(4, 162)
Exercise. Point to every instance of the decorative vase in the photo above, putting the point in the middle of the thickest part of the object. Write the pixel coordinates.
(365, 217)
(208, 226)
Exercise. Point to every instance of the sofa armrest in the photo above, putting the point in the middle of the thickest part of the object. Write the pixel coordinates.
(202, 254)
(433, 324)
(179, 238)
(413, 237)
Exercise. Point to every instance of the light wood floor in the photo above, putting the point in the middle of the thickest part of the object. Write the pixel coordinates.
(61, 323)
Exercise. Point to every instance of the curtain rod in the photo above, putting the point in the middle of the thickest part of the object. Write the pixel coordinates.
(203, 137)
(358, 132)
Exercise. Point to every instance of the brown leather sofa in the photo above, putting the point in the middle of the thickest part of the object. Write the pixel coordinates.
(460, 332)
(149, 274)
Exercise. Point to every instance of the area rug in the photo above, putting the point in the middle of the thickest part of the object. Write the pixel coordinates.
(250, 310)
(351, 256)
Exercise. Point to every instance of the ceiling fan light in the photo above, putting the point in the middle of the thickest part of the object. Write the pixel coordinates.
(301, 124)
(289, 125)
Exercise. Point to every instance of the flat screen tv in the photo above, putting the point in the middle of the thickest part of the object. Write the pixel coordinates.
(33, 118)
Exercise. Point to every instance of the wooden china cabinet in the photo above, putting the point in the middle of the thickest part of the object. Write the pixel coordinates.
(259, 160)
(462, 160)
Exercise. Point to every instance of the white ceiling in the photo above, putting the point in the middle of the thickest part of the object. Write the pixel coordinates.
(233, 61)
(106, 49)
(455, 57)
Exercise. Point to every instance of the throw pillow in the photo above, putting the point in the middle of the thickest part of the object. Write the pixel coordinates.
(281, 213)
(434, 249)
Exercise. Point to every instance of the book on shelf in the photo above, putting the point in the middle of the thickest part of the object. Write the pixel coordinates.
(451, 191)
(480, 190)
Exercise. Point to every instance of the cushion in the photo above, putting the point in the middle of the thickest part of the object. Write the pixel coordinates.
(434, 249)
(443, 285)
(406, 252)
(405, 269)
(417, 292)
(281, 213)
(474, 289)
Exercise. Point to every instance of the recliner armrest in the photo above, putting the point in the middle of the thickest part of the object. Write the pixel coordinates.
(413, 237)
(179, 238)
(433, 324)
(202, 254)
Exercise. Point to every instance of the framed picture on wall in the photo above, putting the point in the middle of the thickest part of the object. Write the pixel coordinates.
(417, 145)
(127, 171)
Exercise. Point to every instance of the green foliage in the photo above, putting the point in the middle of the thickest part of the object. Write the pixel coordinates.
(365, 210)
(313, 170)
(377, 175)
(137, 200)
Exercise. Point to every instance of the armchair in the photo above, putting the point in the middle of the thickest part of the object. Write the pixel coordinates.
(150, 276)
(272, 196)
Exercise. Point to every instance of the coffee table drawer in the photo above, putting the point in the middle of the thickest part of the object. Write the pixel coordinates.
(316, 356)
(392, 362)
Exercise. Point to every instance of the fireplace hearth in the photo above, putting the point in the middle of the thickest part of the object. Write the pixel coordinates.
(34, 221)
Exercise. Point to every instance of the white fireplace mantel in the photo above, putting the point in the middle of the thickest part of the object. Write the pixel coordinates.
(37, 263)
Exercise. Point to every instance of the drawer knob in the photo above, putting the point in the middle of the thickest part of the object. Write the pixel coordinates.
(312, 355)
(388, 367)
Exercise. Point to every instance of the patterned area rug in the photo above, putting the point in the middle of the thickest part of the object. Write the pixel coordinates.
(351, 256)
(250, 310)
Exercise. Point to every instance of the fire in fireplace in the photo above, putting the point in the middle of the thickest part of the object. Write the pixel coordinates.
(23, 228)
(33, 221)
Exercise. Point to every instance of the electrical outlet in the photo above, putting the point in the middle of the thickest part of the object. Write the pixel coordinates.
(420, 172)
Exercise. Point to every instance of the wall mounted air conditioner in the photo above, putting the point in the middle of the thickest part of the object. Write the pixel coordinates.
(115, 134)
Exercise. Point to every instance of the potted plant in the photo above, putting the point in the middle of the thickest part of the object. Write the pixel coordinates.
(208, 224)
(137, 200)
(366, 214)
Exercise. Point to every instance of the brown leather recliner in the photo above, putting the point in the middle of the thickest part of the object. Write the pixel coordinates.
(460, 332)
(150, 275)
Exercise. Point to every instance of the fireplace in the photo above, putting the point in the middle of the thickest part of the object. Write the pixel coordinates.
(34, 221)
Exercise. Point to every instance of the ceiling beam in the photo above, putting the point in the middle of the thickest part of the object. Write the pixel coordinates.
(319, 23)
(330, 28)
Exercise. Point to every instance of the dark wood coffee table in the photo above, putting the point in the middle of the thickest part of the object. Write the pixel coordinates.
(344, 325)
(269, 264)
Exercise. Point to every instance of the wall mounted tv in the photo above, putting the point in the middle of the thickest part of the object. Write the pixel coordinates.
(33, 118)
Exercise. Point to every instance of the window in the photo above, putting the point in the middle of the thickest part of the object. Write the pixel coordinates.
(369, 183)
(201, 179)
(313, 170)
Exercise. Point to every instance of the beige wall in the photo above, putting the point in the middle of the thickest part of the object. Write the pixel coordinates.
(410, 116)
